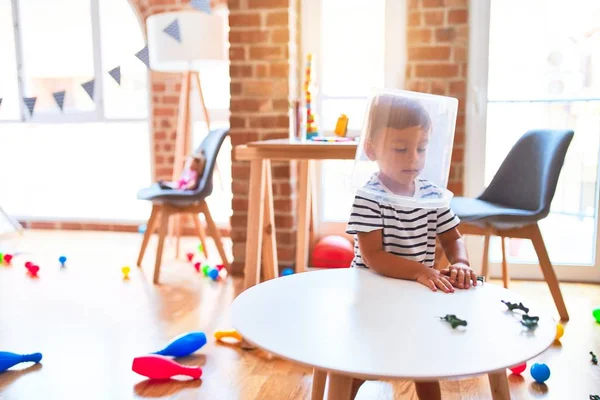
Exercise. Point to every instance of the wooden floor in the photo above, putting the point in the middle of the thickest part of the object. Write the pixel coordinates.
(89, 324)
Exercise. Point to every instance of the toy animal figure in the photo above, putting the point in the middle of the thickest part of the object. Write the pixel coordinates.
(594, 358)
(454, 321)
(530, 322)
(515, 306)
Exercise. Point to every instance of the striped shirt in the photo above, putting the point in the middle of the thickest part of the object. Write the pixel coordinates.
(407, 232)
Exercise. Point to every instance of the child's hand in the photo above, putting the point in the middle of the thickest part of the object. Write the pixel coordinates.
(433, 279)
(461, 275)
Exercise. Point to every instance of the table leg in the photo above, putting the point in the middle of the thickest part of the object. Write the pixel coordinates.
(303, 215)
(318, 384)
(340, 387)
(269, 243)
(499, 385)
(254, 231)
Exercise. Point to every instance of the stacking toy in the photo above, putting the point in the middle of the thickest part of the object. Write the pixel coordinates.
(8, 360)
(214, 274)
(287, 271)
(231, 333)
(540, 372)
(205, 270)
(1, 258)
(160, 367)
(190, 256)
(62, 260)
(197, 266)
(7, 258)
(560, 330)
(33, 270)
(184, 345)
(28, 264)
(596, 314)
(125, 271)
(518, 370)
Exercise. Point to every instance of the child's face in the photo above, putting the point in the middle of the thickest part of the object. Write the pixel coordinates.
(400, 153)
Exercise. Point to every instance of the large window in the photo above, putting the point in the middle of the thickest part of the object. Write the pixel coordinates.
(88, 160)
(357, 48)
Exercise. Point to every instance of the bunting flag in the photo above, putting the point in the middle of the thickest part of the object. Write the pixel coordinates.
(144, 56)
(116, 74)
(59, 97)
(201, 5)
(173, 30)
(30, 103)
(89, 88)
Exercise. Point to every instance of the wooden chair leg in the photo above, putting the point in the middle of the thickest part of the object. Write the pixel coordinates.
(214, 232)
(486, 257)
(201, 234)
(548, 270)
(318, 384)
(150, 226)
(505, 276)
(162, 232)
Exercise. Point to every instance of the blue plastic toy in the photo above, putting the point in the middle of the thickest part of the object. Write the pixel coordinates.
(540, 372)
(8, 360)
(287, 271)
(62, 260)
(184, 345)
(214, 274)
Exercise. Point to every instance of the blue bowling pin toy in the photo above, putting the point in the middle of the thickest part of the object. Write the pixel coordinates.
(184, 345)
(8, 360)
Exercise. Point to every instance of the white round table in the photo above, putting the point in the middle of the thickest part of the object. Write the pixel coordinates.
(355, 323)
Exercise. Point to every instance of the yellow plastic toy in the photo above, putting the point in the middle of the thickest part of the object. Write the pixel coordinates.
(560, 330)
(341, 127)
(231, 333)
(125, 271)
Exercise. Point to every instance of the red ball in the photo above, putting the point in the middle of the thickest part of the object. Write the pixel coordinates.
(333, 251)
(190, 256)
(518, 370)
(28, 264)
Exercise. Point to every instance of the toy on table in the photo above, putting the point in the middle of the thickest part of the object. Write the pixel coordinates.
(309, 90)
(540, 372)
(33, 270)
(190, 256)
(518, 370)
(594, 358)
(62, 260)
(287, 271)
(7, 258)
(341, 126)
(125, 270)
(184, 345)
(560, 331)
(481, 278)
(197, 266)
(8, 359)
(224, 334)
(594, 397)
(596, 314)
(515, 306)
(454, 320)
(161, 368)
(332, 251)
(530, 322)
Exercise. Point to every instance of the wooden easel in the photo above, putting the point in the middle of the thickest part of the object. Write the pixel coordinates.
(183, 147)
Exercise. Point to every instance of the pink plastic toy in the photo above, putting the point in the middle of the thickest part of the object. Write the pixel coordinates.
(197, 266)
(33, 270)
(160, 367)
(190, 256)
(7, 258)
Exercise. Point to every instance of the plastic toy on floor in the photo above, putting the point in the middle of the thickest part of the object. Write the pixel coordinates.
(8, 360)
(62, 260)
(519, 369)
(540, 372)
(228, 336)
(161, 368)
(184, 345)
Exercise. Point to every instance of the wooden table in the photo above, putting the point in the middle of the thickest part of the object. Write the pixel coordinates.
(354, 323)
(260, 236)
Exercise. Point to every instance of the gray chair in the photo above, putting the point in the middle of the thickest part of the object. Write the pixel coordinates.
(168, 202)
(518, 197)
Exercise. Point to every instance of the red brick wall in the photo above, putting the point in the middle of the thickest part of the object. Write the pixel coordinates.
(437, 43)
(263, 57)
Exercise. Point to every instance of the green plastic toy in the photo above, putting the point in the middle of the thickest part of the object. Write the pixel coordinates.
(454, 320)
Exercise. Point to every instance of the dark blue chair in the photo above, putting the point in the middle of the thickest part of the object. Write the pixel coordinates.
(167, 202)
(518, 197)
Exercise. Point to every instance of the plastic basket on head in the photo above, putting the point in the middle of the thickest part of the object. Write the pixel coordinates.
(404, 154)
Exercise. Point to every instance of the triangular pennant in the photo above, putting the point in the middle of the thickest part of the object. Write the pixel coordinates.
(89, 88)
(116, 74)
(143, 56)
(173, 30)
(201, 5)
(30, 103)
(59, 97)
